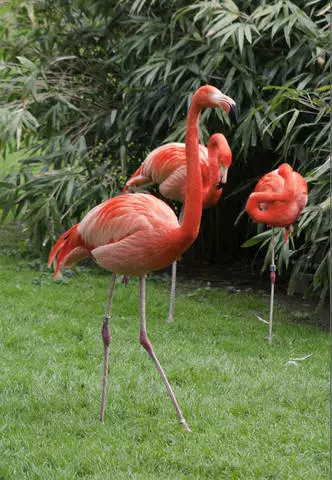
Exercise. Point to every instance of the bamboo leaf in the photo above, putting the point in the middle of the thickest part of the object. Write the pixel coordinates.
(247, 31)
(292, 121)
(240, 35)
(27, 63)
(261, 237)
(69, 190)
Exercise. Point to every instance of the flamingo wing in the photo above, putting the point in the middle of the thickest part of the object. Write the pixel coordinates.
(166, 166)
(270, 182)
(130, 234)
(301, 189)
(127, 234)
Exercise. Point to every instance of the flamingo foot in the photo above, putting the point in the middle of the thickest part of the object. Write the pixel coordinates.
(185, 425)
(124, 280)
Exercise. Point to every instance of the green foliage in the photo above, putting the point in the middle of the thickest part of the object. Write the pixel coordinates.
(315, 227)
(55, 198)
(60, 101)
(240, 50)
(88, 88)
(283, 250)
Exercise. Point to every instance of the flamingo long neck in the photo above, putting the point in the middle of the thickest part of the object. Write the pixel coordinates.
(211, 194)
(193, 196)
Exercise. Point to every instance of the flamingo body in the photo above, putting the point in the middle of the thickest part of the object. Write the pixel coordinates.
(117, 234)
(166, 167)
(279, 197)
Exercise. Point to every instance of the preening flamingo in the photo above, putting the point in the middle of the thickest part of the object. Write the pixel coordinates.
(278, 200)
(166, 167)
(133, 234)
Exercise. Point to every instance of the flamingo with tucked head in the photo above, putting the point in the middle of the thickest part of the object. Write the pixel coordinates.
(278, 200)
(166, 167)
(134, 234)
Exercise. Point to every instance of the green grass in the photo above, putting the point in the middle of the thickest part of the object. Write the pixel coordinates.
(252, 415)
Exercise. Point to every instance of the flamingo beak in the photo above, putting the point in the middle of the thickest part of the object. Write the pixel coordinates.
(233, 114)
(223, 177)
(226, 103)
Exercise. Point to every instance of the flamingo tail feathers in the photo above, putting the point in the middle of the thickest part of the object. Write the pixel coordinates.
(138, 179)
(68, 250)
(132, 180)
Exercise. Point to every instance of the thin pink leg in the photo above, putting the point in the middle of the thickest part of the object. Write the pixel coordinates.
(273, 280)
(106, 336)
(173, 282)
(145, 342)
(172, 297)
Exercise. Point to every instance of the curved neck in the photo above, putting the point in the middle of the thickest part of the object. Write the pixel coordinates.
(193, 196)
(270, 213)
(211, 194)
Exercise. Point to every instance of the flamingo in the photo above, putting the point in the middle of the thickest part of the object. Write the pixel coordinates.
(134, 234)
(278, 200)
(166, 167)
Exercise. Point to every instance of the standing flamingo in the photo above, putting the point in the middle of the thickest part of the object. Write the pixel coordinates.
(278, 200)
(166, 167)
(134, 234)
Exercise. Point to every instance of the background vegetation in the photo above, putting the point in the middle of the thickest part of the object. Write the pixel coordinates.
(87, 89)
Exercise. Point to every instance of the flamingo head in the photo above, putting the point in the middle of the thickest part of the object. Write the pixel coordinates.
(218, 146)
(210, 97)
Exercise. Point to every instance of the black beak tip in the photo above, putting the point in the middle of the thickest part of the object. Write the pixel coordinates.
(219, 185)
(233, 114)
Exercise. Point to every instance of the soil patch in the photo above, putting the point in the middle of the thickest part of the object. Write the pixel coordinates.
(241, 275)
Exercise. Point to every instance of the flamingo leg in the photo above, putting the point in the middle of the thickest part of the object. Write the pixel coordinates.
(106, 336)
(172, 296)
(173, 281)
(146, 344)
(273, 279)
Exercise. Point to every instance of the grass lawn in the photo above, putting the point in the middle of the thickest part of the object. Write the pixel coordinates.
(253, 415)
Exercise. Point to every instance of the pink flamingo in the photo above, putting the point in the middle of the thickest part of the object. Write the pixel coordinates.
(166, 167)
(134, 234)
(278, 200)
